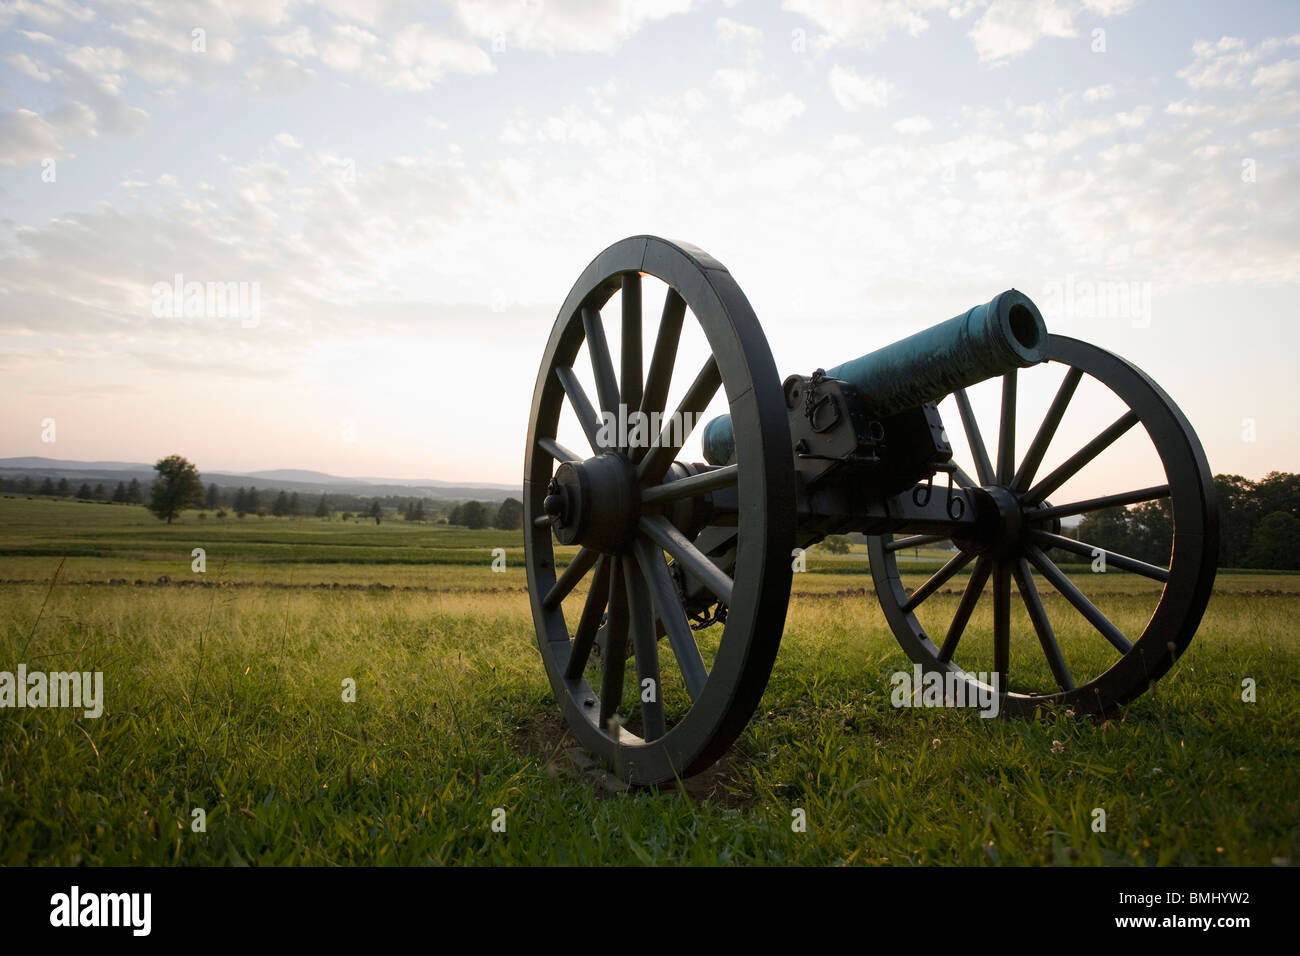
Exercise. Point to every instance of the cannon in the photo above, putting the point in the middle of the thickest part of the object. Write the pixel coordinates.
(659, 633)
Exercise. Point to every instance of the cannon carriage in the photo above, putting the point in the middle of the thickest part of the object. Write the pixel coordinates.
(660, 632)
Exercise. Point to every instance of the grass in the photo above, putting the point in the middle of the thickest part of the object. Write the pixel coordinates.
(229, 699)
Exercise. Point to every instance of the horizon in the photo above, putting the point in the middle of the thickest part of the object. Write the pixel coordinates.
(396, 208)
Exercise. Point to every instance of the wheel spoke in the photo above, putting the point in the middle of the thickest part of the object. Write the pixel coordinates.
(1002, 624)
(582, 407)
(580, 565)
(1007, 430)
(646, 647)
(1121, 561)
(1080, 458)
(938, 579)
(1042, 626)
(611, 684)
(724, 477)
(1047, 430)
(969, 598)
(673, 616)
(664, 534)
(696, 399)
(1076, 597)
(630, 379)
(974, 438)
(557, 451)
(662, 360)
(602, 366)
(914, 541)
(592, 611)
(1096, 504)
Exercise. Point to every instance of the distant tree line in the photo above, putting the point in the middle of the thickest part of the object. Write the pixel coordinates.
(1259, 524)
(122, 493)
(244, 501)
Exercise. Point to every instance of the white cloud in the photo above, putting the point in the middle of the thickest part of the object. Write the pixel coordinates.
(278, 77)
(853, 91)
(287, 140)
(25, 65)
(423, 56)
(1095, 94)
(912, 125)
(28, 137)
(595, 26)
(736, 83)
(739, 38)
(1277, 75)
(865, 22)
(771, 115)
(1011, 27)
(297, 43)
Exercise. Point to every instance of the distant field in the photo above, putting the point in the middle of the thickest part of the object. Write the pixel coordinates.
(223, 693)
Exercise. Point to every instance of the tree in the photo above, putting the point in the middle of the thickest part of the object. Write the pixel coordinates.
(281, 506)
(64, 489)
(133, 493)
(214, 495)
(376, 512)
(510, 516)
(476, 515)
(1276, 543)
(294, 508)
(323, 509)
(84, 491)
(1238, 516)
(252, 503)
(836, 544)
(1107, 529)
(119, 493)
(177, 487)
(457, 516)
(47, 487)
(100, 493)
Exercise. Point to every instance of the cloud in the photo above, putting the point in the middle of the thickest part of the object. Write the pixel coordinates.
(912, 125)
(278, 77)
(28, 137)
(553, 26)
(866, 22)
(772, 114)
(1009, 28)
(853, 91)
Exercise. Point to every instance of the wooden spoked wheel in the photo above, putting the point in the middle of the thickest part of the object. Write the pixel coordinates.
(642, 560)
(1019, 526)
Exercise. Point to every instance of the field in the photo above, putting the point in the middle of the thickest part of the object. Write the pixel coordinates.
(224, 692)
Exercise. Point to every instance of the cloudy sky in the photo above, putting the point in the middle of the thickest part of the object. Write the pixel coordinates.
(411, 189)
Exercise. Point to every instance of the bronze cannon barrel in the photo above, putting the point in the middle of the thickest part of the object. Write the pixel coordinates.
(989, 340)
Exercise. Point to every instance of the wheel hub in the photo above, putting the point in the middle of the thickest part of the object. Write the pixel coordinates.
(594, 503)
(1001, 522)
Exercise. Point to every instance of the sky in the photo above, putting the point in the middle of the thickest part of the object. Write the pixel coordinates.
(405, 193)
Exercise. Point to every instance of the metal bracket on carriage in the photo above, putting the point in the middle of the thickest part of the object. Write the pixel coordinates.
(833, 433)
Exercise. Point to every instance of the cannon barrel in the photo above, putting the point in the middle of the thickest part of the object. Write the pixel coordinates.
(989, 340)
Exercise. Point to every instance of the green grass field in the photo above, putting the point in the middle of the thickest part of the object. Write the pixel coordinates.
(224, 693)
